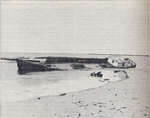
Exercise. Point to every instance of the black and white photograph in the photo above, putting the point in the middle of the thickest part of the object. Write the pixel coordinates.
(74, 59)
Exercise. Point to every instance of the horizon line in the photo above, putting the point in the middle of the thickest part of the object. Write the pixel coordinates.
(83, 53)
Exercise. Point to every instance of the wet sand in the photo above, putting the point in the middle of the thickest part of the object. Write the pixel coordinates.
(123, 99)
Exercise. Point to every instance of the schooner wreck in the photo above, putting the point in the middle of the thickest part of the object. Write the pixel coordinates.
(47, 63)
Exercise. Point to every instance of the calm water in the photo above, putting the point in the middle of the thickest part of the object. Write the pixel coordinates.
(19, 87)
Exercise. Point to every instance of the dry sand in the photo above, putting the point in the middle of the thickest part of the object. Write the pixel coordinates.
(124, 99)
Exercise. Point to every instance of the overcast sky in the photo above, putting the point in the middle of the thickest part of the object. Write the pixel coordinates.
(74, 27)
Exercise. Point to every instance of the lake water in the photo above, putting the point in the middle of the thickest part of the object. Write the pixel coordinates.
(16, 87)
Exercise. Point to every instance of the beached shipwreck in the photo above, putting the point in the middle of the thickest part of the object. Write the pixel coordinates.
(50, 63)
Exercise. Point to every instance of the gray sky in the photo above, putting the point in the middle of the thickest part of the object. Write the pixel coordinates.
(74, 27)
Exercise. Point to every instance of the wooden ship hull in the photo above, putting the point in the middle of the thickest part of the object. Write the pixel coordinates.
(25, 66)
(28, 65)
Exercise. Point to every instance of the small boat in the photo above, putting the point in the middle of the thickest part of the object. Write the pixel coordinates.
(31, 65)
(119, 63)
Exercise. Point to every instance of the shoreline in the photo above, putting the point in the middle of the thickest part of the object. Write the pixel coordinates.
(123, 99)
(84, 82)
(115, 100)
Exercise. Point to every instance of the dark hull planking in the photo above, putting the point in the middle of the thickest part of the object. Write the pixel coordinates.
(50, 60)
(26, 66)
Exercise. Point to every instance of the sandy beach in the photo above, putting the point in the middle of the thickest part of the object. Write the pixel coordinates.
(123, 99)
(74, 59)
